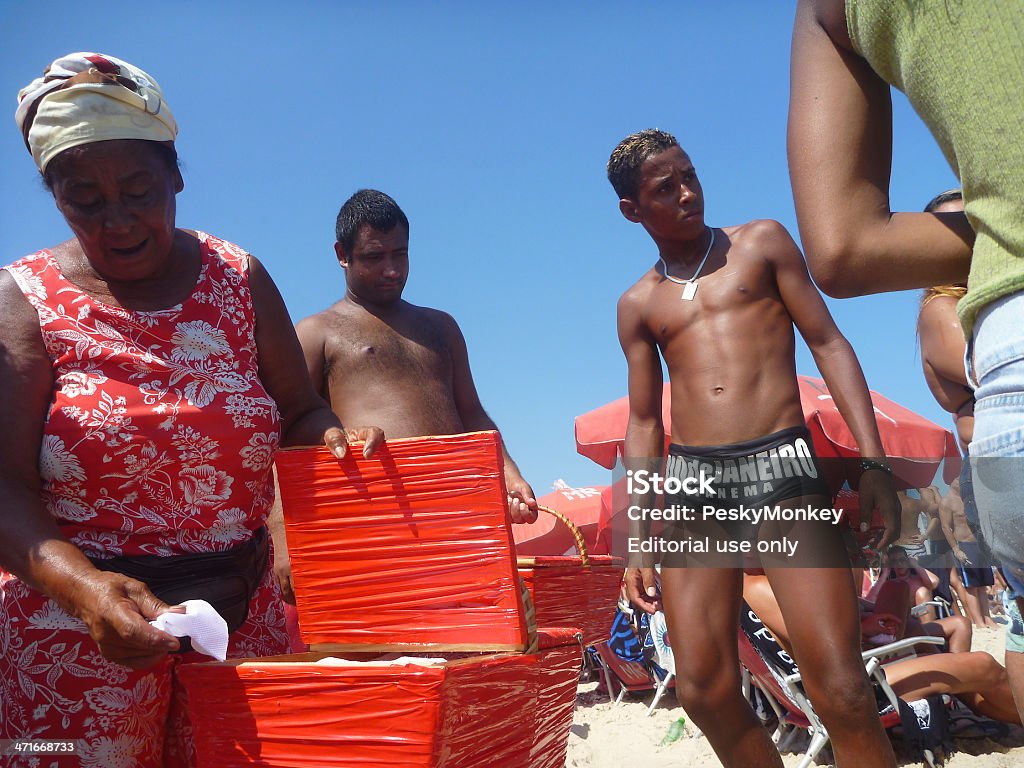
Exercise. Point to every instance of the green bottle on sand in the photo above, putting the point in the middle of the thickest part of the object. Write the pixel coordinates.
(675, 731)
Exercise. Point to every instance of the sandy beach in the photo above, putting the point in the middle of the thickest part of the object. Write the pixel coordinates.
(608, 736)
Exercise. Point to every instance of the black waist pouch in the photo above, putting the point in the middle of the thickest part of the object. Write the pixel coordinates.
(226, 580)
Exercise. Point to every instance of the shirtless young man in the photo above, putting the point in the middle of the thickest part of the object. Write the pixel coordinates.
(973, 566)
(374, 356)
(729, 348)
(930, 498)
(911, 539)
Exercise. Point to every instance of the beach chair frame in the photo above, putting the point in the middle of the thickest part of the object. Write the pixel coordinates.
(632, 676)
(783, 689)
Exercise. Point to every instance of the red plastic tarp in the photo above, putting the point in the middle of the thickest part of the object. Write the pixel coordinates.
(409, 547)
(477, 711)
(406, 549)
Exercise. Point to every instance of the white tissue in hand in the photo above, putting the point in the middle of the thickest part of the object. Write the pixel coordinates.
(202, 623)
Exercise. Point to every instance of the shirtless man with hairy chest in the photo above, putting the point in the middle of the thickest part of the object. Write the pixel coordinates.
(395, 364)
(377, 359)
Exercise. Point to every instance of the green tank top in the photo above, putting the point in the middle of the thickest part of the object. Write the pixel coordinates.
(961, 65)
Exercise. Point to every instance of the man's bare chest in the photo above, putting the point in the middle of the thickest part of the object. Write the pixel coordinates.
(390, 352)
(729, 303)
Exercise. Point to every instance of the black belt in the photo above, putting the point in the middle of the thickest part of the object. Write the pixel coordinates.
(227, 580)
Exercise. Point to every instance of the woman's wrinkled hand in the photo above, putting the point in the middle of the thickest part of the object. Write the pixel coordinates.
(117, 611)
(283, 575)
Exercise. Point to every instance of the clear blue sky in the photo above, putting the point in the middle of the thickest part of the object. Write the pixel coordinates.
(490, 124)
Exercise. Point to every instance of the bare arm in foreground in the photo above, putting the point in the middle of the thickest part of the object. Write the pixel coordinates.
(840, 159)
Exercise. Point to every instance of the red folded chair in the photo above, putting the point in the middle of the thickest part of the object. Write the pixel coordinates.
(648, 674)
(631, 676)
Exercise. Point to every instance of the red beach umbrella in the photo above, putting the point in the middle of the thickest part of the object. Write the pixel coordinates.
(548, 535)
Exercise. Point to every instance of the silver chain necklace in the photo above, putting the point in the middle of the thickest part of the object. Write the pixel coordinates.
(690, 284)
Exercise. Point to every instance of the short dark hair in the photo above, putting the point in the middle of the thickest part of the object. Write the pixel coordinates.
(946, 197)
(367, 206)
(630, 154)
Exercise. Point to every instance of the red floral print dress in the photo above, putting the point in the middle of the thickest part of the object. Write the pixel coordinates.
(159, 440)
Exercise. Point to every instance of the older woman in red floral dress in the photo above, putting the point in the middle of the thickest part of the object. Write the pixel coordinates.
(149, 374)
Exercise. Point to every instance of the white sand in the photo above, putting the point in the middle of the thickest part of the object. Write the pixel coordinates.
(608, 736)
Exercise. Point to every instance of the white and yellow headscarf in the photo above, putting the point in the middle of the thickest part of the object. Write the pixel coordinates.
(87, 97)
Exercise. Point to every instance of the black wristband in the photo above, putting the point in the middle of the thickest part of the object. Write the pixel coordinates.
(866, 464)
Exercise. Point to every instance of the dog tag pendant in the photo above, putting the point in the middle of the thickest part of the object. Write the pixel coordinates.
(689, 291)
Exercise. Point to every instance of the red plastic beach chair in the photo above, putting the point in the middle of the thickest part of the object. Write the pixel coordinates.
(631, 676)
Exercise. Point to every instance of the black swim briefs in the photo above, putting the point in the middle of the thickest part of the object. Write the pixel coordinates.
(758, 472)
(763, 501)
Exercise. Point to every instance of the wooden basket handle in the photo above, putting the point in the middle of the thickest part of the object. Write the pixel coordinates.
(581, 545)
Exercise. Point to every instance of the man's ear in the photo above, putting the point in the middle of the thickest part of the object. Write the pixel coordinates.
(179, 182)
(628, 209)
(339, 251)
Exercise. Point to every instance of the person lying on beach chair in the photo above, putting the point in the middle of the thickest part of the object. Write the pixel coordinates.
(889, 615)
(973, 677)
(770, 675)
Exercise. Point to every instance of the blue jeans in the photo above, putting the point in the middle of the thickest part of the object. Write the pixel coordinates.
(997, 448)
(1015, 630)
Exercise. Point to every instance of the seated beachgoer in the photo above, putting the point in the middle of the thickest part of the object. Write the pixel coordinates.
(974, 677)
(886, 616)
(901, 566)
